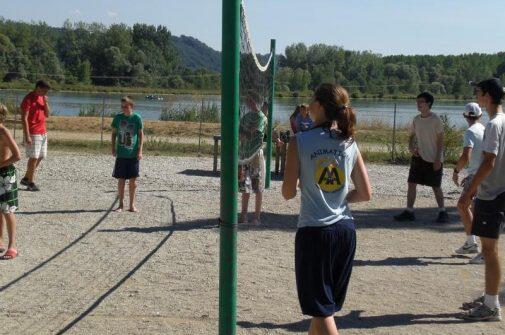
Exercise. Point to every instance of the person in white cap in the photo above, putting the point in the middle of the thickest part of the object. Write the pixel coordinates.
(471, 156)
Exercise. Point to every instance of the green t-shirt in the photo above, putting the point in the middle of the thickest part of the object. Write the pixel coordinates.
(127, 129)
(251, 131)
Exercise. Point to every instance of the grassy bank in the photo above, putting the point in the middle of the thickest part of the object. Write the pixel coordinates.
(179, 138)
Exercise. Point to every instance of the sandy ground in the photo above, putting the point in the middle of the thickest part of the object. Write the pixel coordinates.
(85, 270)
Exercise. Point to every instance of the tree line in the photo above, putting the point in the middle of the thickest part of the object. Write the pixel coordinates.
(370, 74)
(146, 56)
(93, 54)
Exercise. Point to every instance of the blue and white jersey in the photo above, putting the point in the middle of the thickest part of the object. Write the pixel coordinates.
(326, 163)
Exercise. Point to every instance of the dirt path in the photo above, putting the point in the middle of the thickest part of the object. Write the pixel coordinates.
(85, 270)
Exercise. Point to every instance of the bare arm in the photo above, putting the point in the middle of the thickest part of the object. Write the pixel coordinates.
(291, 171)
(11, 144)
(47, 109)
(141, 143)
(462, 162)
(359, 176)
(26, 130)
(484, 170)
(440, 146)
(412, 147)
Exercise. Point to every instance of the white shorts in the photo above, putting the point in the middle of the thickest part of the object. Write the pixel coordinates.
(38, 148)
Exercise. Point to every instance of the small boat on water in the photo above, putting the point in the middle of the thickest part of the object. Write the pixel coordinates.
(154, 97)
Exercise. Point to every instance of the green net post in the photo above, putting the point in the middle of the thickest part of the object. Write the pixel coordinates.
(270, 114)
(230, 65)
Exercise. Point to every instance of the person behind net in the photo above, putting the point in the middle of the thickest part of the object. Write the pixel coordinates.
(35, 109)
(471, 155)
(252, 168)
(426, 142)
(325, 160)
(488, 186)
(300, 119)
(127, 143)
(9, 154)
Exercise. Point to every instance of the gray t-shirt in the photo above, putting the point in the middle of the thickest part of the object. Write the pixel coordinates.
(326, 164)
(473, 139)
(426, 130)
(494, 143)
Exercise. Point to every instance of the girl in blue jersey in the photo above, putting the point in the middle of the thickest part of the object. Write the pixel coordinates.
(324, 160)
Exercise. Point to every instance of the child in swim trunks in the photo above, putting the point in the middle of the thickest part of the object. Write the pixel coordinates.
(9, 154)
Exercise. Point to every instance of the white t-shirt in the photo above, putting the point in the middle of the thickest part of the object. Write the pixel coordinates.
(473, 139)
(426, 130)
(494, 143)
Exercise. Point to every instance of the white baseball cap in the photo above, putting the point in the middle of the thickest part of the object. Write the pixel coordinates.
(472, 109)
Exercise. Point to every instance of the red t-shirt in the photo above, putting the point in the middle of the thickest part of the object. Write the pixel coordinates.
(34, 105)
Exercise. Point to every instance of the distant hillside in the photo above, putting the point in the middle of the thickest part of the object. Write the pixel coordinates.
(197, 55)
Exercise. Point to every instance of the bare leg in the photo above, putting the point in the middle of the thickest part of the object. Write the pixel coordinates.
(245, 205)
(120, 192)
(323, 326)
(492, 265)
(257, 208)
(11, 229)
(132, 187)
(31, 165)
(467, 218)
(411, 195)
(439, 196)
(1, 230)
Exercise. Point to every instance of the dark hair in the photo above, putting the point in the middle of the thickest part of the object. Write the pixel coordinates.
(296, 112)
(335, 102)
(494, 88)
(42, 84)
(427, 97)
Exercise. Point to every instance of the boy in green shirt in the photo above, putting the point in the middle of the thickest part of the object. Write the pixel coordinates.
(127, 141)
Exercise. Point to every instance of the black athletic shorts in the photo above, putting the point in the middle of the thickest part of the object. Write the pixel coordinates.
(421, 172)
(323, 266)
(126, 168)
(488, 217)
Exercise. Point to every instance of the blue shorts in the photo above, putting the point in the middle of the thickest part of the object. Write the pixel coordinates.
(323, 266)
(126, 168)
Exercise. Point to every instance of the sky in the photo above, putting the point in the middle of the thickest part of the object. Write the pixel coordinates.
(387, 27)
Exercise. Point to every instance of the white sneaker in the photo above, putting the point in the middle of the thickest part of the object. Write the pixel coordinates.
(483, 313)
(479, 259)
(468, 248)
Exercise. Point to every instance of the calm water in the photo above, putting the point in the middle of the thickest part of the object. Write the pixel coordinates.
(69, 104)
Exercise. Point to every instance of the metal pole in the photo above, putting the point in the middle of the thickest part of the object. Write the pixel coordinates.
(16, 109)
(270, 114)
(230, 65)
(393, 145)
(200, 132)
(101, 126)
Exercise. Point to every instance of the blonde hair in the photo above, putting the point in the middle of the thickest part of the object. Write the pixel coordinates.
(3, 113)
(127, 99)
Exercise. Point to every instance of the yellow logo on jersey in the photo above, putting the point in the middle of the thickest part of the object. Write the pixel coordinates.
(329, 176)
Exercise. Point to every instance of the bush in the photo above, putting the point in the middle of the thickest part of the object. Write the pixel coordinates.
(208, 113)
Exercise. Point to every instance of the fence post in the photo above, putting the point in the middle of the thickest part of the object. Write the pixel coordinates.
(101, 126)
(393, 145)
(200, 131)
(16, 116)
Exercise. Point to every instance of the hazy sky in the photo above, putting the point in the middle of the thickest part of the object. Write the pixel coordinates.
(385, 27)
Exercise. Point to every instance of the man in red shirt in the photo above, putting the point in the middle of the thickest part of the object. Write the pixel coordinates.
(35, 109)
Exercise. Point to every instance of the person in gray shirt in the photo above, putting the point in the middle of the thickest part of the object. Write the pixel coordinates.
(488, 184)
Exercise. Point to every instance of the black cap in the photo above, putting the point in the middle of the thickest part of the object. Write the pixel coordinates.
(492, 86)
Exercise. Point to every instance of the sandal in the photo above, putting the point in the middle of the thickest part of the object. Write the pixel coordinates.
(10, 254)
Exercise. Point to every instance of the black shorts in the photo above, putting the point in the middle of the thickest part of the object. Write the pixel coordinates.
(421, 172)
(489, 217)
(323, 266)
(126, 168)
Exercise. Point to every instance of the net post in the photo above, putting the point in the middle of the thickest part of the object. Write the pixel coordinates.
(270, 114)
(230, 65)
